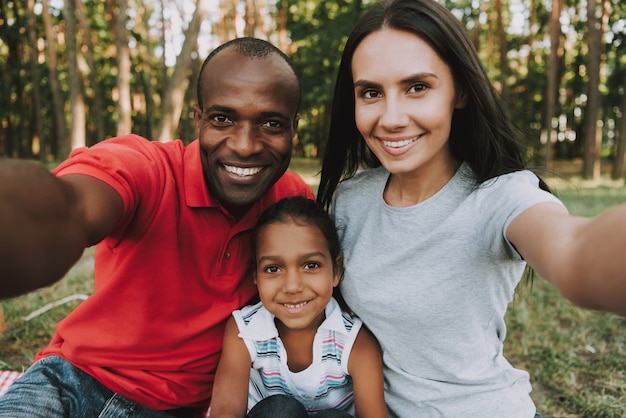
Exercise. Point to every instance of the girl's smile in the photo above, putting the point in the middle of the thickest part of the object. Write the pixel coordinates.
(295, 274)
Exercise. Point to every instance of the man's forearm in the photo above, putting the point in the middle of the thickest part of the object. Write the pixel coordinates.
(39, 241)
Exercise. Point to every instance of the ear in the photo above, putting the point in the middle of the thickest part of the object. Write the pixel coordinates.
(461, 98)
(254, 276)
(337, 270)
(197, 118)
(296, 121)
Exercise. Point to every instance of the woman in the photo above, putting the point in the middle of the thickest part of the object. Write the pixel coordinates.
(438, 227)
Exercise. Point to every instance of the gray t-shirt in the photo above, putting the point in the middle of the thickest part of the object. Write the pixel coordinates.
(432, 282)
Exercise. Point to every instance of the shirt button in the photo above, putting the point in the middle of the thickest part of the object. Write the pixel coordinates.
(227, 256)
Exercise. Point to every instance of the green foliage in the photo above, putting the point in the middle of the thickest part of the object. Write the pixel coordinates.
(318, 31)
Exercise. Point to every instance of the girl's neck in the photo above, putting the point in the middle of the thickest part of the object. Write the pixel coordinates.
(298, 345)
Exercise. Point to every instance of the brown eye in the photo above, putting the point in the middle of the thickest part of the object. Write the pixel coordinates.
(271, 269)
(221, 119)
(311, 265)
(417, 88)
(370, 94)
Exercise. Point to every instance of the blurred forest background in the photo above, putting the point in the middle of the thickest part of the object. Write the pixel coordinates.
(74, 72)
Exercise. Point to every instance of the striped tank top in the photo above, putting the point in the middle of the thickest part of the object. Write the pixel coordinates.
(325, 384)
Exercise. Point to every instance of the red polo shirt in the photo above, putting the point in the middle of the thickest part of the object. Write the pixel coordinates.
(174, 269)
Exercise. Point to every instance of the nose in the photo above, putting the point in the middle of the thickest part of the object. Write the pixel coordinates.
(246, 141)
(292, 283)
(394, 114)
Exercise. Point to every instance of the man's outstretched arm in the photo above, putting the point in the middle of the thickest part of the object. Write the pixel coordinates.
(46, 222)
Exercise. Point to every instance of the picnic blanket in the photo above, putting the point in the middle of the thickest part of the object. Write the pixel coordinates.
(6, 380)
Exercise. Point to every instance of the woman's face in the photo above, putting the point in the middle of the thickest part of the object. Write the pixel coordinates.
(404, 99)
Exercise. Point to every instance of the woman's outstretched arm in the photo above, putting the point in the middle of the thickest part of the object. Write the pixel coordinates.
(585, 258)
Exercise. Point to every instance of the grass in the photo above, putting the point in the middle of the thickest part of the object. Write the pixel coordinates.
(576, 358)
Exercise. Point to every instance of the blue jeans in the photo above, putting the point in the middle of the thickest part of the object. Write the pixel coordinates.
(283, 406)
(54, 388)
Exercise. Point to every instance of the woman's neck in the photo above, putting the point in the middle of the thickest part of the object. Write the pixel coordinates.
(409, 189)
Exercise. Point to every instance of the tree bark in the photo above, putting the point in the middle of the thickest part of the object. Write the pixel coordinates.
(592, 135)
(503, 50)
(173, 96)
(97, 110)
(77, 100)
(251, 18)
(123, 107)
(227, 24)
(58, 103)
(552, 84)
(282, 25)
(39, 139)
(617, 170)
(529, 80)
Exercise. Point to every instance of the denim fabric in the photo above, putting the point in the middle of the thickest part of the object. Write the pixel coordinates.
(283, 406)
(54, 388)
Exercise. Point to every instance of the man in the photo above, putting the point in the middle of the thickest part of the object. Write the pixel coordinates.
(173, 259)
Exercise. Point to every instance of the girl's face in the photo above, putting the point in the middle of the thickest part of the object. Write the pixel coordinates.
(405, 96)
(295, 274)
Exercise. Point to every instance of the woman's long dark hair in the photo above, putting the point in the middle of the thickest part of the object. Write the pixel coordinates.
(482, 133)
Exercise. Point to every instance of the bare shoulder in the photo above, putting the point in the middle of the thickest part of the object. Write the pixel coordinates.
(366, 368)
(365, 345)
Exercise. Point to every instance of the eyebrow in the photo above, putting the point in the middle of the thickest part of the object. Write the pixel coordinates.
(407, 80)
(219, 108)
(307, 255)
(278, 115)
(231, 111)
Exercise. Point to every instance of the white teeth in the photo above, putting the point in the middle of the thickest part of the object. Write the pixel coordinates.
(398, 144)
(243, 172)
(299, 305)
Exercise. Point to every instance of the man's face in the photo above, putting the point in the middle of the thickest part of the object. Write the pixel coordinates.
(246, 127)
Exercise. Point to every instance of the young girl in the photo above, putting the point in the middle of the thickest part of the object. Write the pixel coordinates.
(297, 344)
(437, 229)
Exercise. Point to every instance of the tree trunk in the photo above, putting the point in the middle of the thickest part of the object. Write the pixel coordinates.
(282, 25)
(58, 103)
(98, 104)
(251, 18)
(39, 139)
(123, 108)
(552, 84)
(618, 164)
(529, 80)
(503, 50)
(16, 124)
(187, 129)
(147, 63)
(173, 96)
(227, 24)
(592, 135)
(77, 100)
